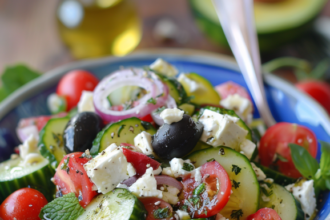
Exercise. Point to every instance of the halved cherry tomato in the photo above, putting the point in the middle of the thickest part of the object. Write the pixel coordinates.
(140, 161)
(264, 214)
(73, 83)
(153, 204)
(231, 88)
(206, 199)
(274, 144)
(23, 204)
(71, 176)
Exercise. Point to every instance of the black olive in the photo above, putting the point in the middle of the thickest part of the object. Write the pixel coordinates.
(80, 132)
(177, 139)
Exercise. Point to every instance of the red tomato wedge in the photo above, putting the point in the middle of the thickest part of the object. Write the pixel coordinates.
(231, 88)
(140, 161)
(71, 176)
(73, 84)
(202, 200)
(23, 204)
(264, 214)
(153, 204)
(274, 144)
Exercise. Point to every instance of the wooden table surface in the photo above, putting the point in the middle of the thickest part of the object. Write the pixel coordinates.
(28, 32)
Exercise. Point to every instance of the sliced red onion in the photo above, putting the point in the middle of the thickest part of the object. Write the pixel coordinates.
(167, 180)
(170, 103)
(130, 181)
(24, 132)
(130, 77)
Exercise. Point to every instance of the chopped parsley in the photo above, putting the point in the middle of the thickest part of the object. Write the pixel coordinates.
(236, 214)
(199, 189)
(162, 213)
(235, 184)
(188, 167)
(159, 110)
(236, 169)
(58, 138)
(152, 101)
(65, 163)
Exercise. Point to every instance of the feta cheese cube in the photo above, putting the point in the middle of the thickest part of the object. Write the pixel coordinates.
(171, 115)
(146, 186)
(305, 194)
(30, 145)
(131, 170)
(107, 169)
(242, 106)
(157, 171)
(120, 185)
(259, 173)
(182, 215)
(85, 103)
(248, 148)
(164, 67)
(192, 85)
(221, 130)
(170, 194)
(143, 142)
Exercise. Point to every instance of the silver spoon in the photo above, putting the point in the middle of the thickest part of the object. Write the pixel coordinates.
(237, 20)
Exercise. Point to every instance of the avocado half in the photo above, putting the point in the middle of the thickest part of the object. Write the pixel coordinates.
(276, 23)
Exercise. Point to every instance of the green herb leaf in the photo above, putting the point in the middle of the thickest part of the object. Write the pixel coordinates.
(236, 214)
(325, 159)
(235, 184)
(162, 213)
(188, 167)
(16, 76)
(236, 169)
(62, 208)
(64, 165)
(303, 161)
(3, 94)
(152, 101)
(199, 189)
(281, 158)
(159, 110)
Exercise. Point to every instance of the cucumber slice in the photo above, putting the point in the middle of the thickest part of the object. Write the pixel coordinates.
(282, 201)
(14, 176)
(278, 177)
(176, 90)
(120, 132)
(205, 94)
(51, 140)
(244, 197)
(187, 108)
(224, 111)
(117, 204)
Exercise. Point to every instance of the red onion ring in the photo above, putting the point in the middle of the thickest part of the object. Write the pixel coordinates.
(130, 77)
(24, 132)
(170, 103)
(130, 181)
(167, 180)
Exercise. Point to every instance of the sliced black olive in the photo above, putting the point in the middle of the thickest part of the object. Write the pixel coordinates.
(177, 139)
(80, 132)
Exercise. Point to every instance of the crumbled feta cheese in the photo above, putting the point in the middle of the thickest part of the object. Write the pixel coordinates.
(196, 173)
(157, 171)
(192, 85)
(32, 158)
(163, 67)
(30, 145)
(177, 165)
(107, 169)
(259, 173)
(182, 215)
(171, 115)
(112, 147)
(120, 185)
(305, 194)
(242, 106)
(248, 148)
(85, 103)
(170, 194)
(131, 170)
(146, 186)
(54, 102)
(143, 142)
(221, 130)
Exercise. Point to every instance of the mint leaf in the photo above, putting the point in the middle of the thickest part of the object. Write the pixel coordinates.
(303, 161)
(325, 159)
(62, 208)
(16, 76)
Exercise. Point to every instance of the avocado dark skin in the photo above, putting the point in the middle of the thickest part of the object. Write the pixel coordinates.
(177, 139)
(81, 131)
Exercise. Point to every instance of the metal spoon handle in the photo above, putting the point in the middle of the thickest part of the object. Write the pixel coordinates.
(237, 21)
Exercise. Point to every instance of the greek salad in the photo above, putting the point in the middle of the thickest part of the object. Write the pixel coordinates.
(149, 143)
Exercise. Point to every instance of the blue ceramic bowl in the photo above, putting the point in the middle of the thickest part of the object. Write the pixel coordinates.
(286, 103)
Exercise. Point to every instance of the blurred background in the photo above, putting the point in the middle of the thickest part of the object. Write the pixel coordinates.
(47, 34)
